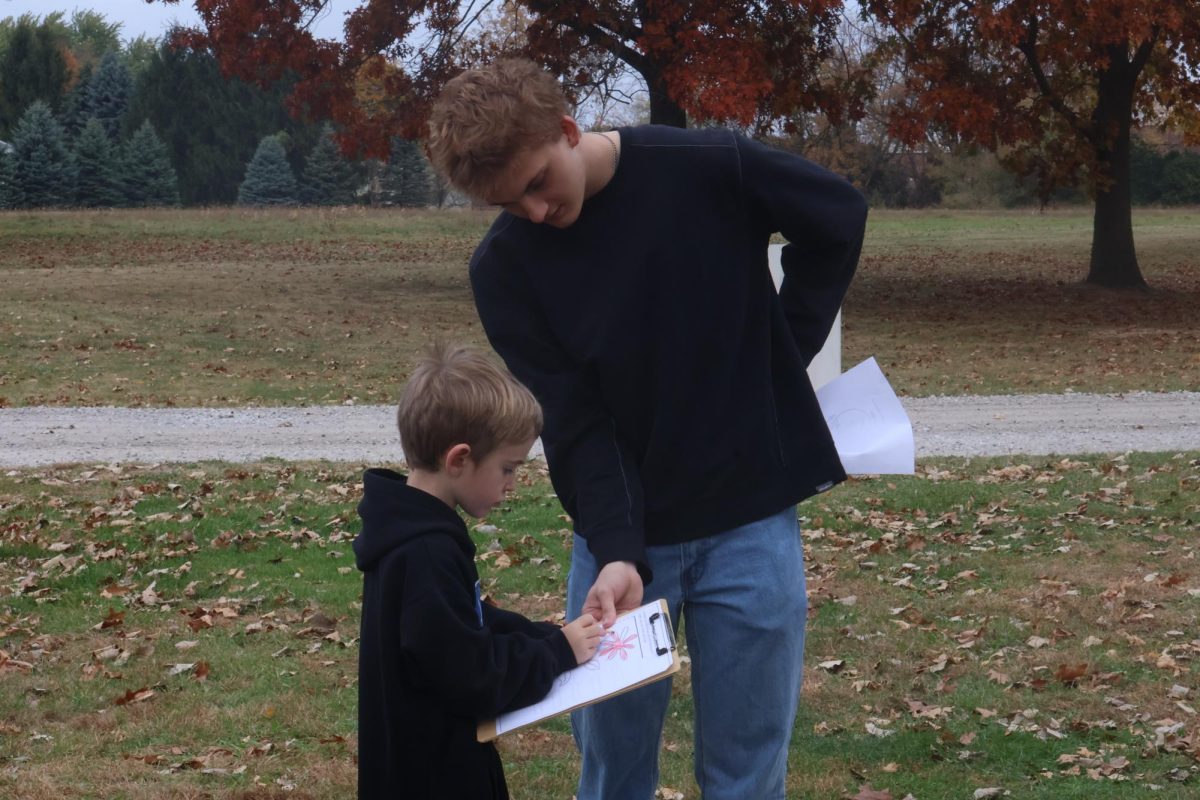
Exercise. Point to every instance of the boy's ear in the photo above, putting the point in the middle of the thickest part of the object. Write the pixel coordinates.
(570, 129)
(455, 460)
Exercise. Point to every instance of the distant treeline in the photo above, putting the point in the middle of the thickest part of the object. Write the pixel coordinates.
(87, 120)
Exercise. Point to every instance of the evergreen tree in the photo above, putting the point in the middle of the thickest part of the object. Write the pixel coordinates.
(329, 179)
(407, 180)
(97, 181)
(147, 174)
(43, 173)
(139, 53)
(32, 67)
(108, 93)
(76, 109)
(211, 125)
(269, 178)
(8, 191)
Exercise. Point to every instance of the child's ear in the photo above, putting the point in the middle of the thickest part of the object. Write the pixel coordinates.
(456, 459)
(570, 129)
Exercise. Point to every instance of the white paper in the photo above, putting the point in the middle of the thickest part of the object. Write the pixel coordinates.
(632, 651)
(870, 428)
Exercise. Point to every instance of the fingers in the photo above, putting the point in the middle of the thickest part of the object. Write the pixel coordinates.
(584, 635)
(608, 609)
(591, 628)
(600, 605)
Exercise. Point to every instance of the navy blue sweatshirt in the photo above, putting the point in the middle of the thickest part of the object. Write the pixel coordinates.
(433, 659)
(672, 375)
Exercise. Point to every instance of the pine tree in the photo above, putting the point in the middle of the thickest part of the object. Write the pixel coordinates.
(43, 173)
(76, 109)
(329, 179)
(147, 174)
(97, 181)
(8, 195)
(32, 67)
(269, 179)
(407, 180)
(108, 93)
(211, 124)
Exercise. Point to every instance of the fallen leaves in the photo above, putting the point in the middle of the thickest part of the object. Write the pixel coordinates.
(1070, 674)
(111, 620)
(134, 696)
(10, 664)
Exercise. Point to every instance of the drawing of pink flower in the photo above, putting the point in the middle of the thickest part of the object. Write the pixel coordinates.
(614, 645)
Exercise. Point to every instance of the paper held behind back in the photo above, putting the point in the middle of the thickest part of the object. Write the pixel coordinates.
(870, 427)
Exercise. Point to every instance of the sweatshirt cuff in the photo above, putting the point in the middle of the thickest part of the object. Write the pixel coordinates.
(621, 545)
(564, 656)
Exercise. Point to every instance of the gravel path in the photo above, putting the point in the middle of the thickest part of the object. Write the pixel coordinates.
(951, 426)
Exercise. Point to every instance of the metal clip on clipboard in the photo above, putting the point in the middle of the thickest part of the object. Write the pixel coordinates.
(658, 620)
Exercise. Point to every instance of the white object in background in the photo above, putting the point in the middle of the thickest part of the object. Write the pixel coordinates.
(827, 364)
(870, 428)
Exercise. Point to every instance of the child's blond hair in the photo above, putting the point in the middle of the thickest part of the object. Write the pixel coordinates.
(484, 118)
(458, 395)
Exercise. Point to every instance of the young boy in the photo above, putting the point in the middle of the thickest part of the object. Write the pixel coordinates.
(626, 284)
(435, 660)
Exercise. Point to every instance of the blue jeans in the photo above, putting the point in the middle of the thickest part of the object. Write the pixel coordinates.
(742, 594)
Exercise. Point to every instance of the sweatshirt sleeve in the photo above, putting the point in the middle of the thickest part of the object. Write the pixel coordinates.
(823, 218)
(593, 470)
(501, 621)
(477, 671)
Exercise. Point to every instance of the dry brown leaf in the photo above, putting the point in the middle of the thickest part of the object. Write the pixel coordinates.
(1070, 673)
(135, 696)
(113, 619)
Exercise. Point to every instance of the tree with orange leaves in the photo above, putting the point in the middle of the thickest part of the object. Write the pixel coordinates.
(1054, 87)
(729, 60)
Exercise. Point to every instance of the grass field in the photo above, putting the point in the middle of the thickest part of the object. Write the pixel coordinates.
(192, 632)
(234, 307)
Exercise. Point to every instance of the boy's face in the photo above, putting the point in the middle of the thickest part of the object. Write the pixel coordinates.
(546, 183)
(483, 485)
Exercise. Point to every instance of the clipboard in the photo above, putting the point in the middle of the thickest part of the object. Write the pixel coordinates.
(637, 650)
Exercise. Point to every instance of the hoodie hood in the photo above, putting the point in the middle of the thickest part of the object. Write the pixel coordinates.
(393, 514)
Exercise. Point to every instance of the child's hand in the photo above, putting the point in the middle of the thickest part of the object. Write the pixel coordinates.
(584, 635)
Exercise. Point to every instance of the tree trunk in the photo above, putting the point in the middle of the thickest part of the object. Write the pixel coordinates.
(1114, 260)
(663, 110)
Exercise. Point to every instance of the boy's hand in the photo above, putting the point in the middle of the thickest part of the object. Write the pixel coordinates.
(584, 635)
(618, 588)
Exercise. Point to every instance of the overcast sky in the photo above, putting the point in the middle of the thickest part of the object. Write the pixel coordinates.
(139, 18)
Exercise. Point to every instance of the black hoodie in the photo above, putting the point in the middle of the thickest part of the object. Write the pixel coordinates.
(434, 660)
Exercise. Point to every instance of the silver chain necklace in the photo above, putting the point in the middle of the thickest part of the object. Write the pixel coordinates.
(616, 152)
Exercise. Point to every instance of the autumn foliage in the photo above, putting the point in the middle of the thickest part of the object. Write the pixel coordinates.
(1055, 87)
(735, 61)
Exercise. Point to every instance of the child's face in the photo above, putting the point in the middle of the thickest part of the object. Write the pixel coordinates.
(545, 184)
(482, 486)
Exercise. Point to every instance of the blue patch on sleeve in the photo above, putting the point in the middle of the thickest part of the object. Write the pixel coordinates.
(479, 603)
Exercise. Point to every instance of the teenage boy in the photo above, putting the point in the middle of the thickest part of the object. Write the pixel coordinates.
(434, 659)
(626, 283)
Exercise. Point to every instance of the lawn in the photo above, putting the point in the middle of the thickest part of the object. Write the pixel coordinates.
(191, 632)
(290, 307)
